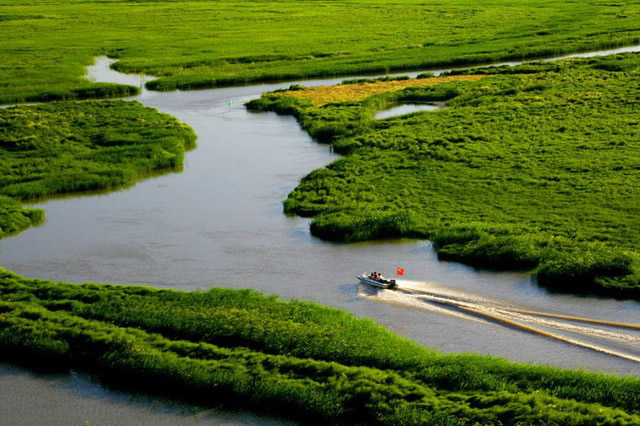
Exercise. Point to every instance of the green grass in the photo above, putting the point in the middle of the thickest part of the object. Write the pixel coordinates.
(67, 147)
(295, 357)
(194, 44)
(15, 218)
(535, 168)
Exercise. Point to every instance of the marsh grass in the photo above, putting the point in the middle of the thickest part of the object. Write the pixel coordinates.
(296, 358)
(535, 167)
(72, 147)
(14, 218)
(198, 44)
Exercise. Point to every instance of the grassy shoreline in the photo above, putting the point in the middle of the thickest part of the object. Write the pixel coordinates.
(532, 167)
(199, 43)
(167, 84)
(295, 357)
(75, 147)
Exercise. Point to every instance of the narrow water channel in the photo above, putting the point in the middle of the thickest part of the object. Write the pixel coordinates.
(219, 222)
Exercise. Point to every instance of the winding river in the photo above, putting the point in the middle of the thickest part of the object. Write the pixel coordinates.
(219, 222)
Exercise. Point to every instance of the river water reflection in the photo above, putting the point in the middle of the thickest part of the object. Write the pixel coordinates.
(220, 223)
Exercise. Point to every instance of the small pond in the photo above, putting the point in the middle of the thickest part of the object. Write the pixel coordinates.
(408, 108)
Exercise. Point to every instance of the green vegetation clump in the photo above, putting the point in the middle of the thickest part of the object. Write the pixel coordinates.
(67, 147)
(375, 80)
(193, 44)
(535, 167)
(293, 357)
(15, 218)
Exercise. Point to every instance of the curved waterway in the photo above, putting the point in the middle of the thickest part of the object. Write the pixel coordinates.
(219, 222)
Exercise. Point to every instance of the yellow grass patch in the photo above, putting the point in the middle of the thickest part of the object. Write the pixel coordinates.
(354, 92)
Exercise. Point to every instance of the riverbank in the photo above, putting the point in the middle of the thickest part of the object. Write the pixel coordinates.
(199, 44)
(265, 353)
(71, 147)
(531, 169)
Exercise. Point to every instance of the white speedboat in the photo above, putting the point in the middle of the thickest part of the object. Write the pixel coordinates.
(377, 280)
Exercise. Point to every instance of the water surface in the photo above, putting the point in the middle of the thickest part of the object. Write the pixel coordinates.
(46, 399)
(407, 108)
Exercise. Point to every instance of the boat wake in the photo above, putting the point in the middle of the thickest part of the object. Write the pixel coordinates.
(612, 338)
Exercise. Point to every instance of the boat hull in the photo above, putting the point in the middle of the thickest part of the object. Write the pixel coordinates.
(382, 283)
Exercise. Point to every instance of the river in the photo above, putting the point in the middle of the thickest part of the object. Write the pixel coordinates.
(219, 222)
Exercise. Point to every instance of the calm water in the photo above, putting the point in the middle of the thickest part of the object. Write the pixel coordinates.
(40, 399)
(407, 108)
(220, 223)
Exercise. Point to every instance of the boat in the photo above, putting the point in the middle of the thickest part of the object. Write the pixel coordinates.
(377, 280)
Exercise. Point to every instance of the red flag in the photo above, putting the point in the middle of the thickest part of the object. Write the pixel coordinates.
(399, 271)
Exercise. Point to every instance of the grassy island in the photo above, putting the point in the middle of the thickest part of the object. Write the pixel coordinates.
(68, 147)
(293, 357)
(532, 167)
(193, 44)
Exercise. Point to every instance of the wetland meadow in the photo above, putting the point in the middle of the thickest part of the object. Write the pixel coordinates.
(509, 193)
